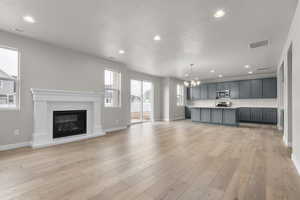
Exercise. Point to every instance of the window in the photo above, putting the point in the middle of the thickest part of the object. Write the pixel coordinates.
(9, 77)
(112, 88)
(180, 95)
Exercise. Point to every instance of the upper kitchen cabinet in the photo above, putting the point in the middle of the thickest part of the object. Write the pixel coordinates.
(256, 88)
(212, 89)
(269, 88)
(234, 89)
(203, 91)
(245, 89)
(222, 86)
(195, 93)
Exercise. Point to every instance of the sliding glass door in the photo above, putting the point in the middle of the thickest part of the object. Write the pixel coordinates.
(141, 95)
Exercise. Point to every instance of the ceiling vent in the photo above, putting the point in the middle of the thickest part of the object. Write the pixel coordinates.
(259, 44)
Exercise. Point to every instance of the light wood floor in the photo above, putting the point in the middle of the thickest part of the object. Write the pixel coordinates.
(178, 160)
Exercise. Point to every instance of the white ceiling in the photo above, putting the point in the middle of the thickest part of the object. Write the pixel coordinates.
(189, 32)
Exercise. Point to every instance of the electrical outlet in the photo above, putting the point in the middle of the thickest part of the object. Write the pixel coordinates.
(17, 132)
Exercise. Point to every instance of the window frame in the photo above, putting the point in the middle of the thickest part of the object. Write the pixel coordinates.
(17, 106)
(113, 89)
(180, 95)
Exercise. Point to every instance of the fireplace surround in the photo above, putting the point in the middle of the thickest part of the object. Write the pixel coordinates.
(47, 103)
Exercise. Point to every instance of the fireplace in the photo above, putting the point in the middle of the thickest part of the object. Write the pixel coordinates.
(69, 123)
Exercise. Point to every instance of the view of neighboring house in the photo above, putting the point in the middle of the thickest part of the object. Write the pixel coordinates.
(7, 88)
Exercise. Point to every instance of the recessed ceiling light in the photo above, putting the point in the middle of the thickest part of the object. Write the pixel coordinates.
(220, 75)
(186, 75)
(157, 38)
(247, 66)
(121, 51)
(29, 19)
(219, 13)
(251, 72)
(212, 71)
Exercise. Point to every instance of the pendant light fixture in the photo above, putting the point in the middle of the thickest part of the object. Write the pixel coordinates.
(192, 82)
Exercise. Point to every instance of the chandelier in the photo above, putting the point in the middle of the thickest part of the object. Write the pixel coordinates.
(192, 82)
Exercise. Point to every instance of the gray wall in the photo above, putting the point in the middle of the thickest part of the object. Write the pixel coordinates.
(50, 67)
(170, 109)
(294, 38)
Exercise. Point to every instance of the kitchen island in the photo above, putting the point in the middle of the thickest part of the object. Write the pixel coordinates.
(215, 115)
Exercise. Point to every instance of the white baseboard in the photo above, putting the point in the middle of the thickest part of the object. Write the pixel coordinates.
(14, 146)
(296, 163)
(115, 129)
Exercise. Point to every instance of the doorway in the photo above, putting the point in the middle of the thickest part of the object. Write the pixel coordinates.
(141, 98)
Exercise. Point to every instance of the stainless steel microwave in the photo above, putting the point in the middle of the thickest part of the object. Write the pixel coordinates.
(223, 94)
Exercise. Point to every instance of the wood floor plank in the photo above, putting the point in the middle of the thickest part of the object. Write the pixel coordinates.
(163, 160)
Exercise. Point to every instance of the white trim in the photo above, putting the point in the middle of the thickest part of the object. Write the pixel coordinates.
(14, 146)
(296, 163)
(46, 101)
(68, 139)
(115, 129)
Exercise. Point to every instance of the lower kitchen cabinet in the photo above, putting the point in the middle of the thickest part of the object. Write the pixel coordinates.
(258, 115)
(269, 115)
(244, 114)
(223, 116)
(187, 112)
(195, 114)
(229, 116)
(216, 116)
(205, 115)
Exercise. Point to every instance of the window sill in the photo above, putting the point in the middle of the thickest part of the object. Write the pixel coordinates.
(9, 108)
(112, 107)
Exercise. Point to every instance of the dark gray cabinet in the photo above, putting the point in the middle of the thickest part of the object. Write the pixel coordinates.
(216, 116)
(256, 115)
(212, 89)
(244, 115)
(205, 115)
(245, 89)
(196, 93)
(269, 87)
(187, 112)
(195, 114)
(203, 92)
(234, 90)
(188, 93)
(229, 116)
(256, 88)
(220, 86)
(223, 116)
(269, 115)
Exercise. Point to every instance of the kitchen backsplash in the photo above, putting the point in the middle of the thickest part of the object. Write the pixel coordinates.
(266, 103)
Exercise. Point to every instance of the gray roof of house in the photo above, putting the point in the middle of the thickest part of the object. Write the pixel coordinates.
(4, 75)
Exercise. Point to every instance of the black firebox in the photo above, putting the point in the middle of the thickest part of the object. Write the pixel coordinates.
(68, 123)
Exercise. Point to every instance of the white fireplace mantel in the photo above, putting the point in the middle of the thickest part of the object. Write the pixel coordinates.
(46, 101)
